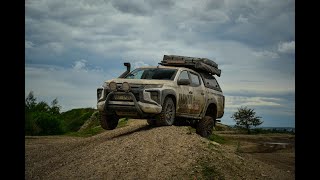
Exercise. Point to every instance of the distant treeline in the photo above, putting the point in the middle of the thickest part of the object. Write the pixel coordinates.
(265, 130)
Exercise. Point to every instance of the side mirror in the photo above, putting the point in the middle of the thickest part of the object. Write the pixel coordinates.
(183, 82)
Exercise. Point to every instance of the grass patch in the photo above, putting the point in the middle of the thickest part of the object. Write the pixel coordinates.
(75, 118)
(88, 132)
(208, 171)
(217, 138)
(91, 131)
(122, 122)
(191, 130)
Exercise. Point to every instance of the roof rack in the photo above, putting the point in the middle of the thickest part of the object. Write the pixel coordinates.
(197, 64)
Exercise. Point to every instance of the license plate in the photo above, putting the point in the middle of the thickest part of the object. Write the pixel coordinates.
(122, 97)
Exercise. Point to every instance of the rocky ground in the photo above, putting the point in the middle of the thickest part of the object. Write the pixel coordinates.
(138, 151)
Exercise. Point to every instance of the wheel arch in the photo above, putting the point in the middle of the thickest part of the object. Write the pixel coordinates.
(169, 93)
(212, 111)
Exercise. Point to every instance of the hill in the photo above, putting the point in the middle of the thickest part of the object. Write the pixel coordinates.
(139, 151)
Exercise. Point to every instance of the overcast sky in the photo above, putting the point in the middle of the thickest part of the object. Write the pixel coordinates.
(72, 46)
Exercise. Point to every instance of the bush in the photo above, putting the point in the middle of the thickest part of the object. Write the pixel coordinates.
(42, 123)
(31, 128)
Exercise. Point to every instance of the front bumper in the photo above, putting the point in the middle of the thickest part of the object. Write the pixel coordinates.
(142, 108)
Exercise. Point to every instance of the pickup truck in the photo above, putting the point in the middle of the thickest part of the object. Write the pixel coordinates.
(162, 95)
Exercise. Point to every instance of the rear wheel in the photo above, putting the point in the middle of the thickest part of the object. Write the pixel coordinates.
(168, 113)
(108, 121)
(205, 126)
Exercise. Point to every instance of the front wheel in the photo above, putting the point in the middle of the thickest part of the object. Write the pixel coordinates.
(168, 113)
(108, 121)
(205, 126)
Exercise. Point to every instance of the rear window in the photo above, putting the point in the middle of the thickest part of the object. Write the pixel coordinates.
(152, 73)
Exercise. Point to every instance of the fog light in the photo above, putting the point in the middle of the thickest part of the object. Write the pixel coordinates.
(113, 86)
(126, 87)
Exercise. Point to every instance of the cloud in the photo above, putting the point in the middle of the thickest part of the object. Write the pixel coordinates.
(73, 86)
(233, 102)
(287, 47)
(79, 65)
(139, 64)
(28, 44)
(55, 47)
(242, 19)
(267, 54)
(141, 7)
(134, 7)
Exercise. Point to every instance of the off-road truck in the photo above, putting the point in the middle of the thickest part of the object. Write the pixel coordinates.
(180, 88)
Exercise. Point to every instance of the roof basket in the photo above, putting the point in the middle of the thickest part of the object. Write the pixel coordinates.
(197, 64)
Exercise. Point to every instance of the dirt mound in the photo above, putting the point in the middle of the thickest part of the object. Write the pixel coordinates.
(139, 151)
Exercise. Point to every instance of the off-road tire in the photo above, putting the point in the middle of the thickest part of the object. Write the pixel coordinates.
(108, 121)
(168, 113)
(205, 126)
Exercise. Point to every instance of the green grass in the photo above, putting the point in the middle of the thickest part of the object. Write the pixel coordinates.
(217, 138)
(208, 171)
(75, 118)
(87, 133)
(91, 131)
(122, 122)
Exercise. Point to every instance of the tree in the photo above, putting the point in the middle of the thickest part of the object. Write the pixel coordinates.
(55, 107)
(42, 119)
(30, 102)
(246, 118)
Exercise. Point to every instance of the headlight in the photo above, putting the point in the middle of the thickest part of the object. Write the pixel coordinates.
(105, 85)
(99, 93)
(113, 86)
(126, 87)
(153, 86)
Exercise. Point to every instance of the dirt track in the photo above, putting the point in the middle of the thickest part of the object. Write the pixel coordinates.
(138, 151)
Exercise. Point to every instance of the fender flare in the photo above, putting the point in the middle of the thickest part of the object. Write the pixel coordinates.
(167, 92)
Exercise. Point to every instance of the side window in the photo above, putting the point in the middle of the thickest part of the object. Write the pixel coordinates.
(195, 81)
(184, 75)
(211, 82)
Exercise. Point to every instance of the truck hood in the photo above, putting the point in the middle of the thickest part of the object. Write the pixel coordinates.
(140, 81)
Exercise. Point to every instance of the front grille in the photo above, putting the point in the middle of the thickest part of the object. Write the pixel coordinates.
(136, 95)
(135, 89)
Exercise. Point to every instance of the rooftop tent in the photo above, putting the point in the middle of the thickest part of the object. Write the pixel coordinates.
(197, 64)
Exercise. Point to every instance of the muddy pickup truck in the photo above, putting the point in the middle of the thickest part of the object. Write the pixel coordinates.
(178, 89)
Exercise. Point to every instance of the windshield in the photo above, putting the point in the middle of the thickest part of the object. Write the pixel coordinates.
(152, 73)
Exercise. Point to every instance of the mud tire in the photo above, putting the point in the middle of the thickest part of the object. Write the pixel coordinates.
(205, 126)
(167, 115)
(108, 121)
